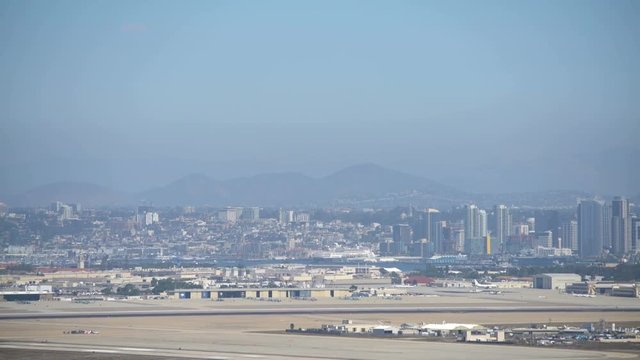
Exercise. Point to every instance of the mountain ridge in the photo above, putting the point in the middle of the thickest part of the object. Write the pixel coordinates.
(363, 185)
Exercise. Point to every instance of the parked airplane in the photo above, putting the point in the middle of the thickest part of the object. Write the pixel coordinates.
(484, 286)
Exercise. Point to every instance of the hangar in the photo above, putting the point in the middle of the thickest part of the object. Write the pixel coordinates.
(257, 293)
(25, 295)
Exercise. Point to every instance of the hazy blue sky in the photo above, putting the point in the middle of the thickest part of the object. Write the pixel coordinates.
(478, 94)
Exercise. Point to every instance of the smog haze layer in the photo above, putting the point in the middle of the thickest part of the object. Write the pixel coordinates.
(492, 96)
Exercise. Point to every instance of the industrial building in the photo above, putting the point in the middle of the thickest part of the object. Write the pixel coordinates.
(258, 293)
(604, 288)
(581, 288)
(555, 281)
(25, 295)
(444, 328)
(483, 336)
(28, 293)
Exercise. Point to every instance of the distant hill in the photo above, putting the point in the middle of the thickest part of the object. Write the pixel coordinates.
(69, 192)
(360, 182)
(364, 185)
(196, 189)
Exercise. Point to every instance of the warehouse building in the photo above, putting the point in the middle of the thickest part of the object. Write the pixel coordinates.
(581, 288)
(555, 281)
(25, 295)
(257, 293)
(604, 288)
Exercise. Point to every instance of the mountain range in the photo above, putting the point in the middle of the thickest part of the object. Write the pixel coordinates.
(364, 185)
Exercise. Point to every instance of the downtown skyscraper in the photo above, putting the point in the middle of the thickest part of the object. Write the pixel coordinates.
(430, 227)
(591, 228)
(620, 226)
(569, 235)
(502, 226)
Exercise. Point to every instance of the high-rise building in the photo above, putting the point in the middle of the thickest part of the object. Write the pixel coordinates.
(475, 230)
(475, 222)
(635, 235)
(620, 226)
(402, 236)
(606, 237)
(457, 240)
(421, 248)
(544, 239)
(251, 213)
(471, 216)
(502, 227)
(591, 228)
(481, 223)
(438, 237)
(286, 216)
(569, 235)
(66, 212)
(427, 228)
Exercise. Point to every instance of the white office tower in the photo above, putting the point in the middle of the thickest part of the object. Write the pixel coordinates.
(151, 218)
(430, 229)
(481, 222)
(569, 235)
(620, 226)
(438, 236)
(470, 220)
(66, 212)
(502, 226)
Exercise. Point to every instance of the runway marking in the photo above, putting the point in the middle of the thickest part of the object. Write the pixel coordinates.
(100, 351)
(134, 349)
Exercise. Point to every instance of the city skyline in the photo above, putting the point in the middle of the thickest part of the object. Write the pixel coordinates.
(359, 179)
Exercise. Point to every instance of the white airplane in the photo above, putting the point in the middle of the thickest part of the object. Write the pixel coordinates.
(484, 286)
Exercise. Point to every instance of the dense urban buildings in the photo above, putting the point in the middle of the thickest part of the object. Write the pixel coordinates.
(72, 235)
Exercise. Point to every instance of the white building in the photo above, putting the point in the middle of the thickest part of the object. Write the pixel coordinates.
(556, 281)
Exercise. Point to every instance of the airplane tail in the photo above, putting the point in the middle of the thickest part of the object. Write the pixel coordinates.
(475, 282)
